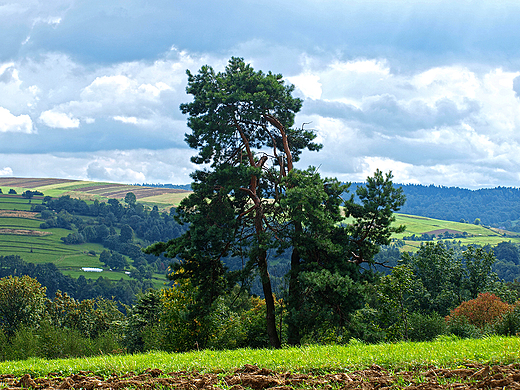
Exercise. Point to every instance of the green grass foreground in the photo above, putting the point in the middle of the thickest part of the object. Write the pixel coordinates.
(316, 359)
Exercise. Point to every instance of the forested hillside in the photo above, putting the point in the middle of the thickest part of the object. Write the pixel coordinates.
(497, 207)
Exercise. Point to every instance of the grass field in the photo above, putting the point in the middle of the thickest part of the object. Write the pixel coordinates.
(447, 353)
(90, 190)
(47, 248)
(476, 234)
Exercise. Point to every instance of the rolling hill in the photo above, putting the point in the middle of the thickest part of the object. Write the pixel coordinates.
(90, 190)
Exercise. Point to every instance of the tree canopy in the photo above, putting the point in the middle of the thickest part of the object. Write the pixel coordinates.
(251, 202)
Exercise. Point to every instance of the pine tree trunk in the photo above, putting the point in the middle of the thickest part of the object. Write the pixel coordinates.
(293, 329)
(274, 339)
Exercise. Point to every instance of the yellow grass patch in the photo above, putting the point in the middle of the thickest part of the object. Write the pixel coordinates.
(18, 214)
(24, 232)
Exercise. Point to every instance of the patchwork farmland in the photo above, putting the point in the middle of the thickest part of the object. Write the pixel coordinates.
(89, 190)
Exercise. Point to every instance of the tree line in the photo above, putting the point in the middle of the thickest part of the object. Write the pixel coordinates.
(497, 207)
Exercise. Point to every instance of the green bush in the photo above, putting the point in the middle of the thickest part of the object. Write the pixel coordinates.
(461, 327)
(425, 327)
(255, 324)
(365, 326)
(227, 328)
(509, 323)
(54, 343)
(50, 342)
(23, 345)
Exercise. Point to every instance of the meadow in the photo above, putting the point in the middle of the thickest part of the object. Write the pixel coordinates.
(48, 247)
(476, 234)
(444, 353)
(92, 190)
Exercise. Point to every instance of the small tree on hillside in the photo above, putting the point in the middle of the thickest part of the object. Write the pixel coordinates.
(22, 303)
(130, 199)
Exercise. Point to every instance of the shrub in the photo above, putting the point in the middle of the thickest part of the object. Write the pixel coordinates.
(460, 327)
(50, 342)
(509, 323)
(365, 326)
(22, 302)
(426, 327)
(483, 311)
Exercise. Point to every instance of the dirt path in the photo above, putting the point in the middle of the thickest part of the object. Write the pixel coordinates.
(252, 377)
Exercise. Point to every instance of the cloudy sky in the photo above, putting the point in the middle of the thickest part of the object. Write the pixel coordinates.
(428, 89)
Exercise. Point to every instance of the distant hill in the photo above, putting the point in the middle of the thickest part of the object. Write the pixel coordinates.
(498, 207)
(91, 190)
(185, 187)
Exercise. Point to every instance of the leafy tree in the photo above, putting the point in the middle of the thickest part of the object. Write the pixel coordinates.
(483, 310)
(28, 194)
(106, 258)
(22, 302)
(252, 201)
(73, 238)
(12, 191)
(130, 199)
(127, 233)
(233, 115)
(478, 264)
(142, 316)
(118, 261)
(396, 292)
(442, 274)
(91, 317)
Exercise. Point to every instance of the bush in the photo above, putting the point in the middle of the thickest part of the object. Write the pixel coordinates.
(482, 311)
(365, 326)
(50, 342)
(509, 323)
(23, 345)
(426, 327)
(227, 329)
(460, 327)
(22, 303)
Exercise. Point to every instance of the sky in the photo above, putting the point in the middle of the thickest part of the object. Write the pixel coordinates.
(427, 89)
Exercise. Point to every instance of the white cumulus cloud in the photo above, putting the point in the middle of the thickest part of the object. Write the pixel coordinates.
(12, 123)
(7, 171)
(59, 120)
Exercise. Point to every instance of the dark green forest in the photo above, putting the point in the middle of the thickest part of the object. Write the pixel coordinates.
(497, 207)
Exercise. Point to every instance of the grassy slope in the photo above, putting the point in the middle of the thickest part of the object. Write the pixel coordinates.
(95, 190)
(48, 248)
(477, 234)
(316, 359)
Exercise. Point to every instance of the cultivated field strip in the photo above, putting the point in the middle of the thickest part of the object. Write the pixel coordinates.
(30, 183)
(93, 190)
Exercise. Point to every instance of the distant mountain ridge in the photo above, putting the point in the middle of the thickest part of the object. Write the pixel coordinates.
(186, 187)
(497, 207)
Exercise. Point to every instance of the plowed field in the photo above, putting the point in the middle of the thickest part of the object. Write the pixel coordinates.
(253, 377)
